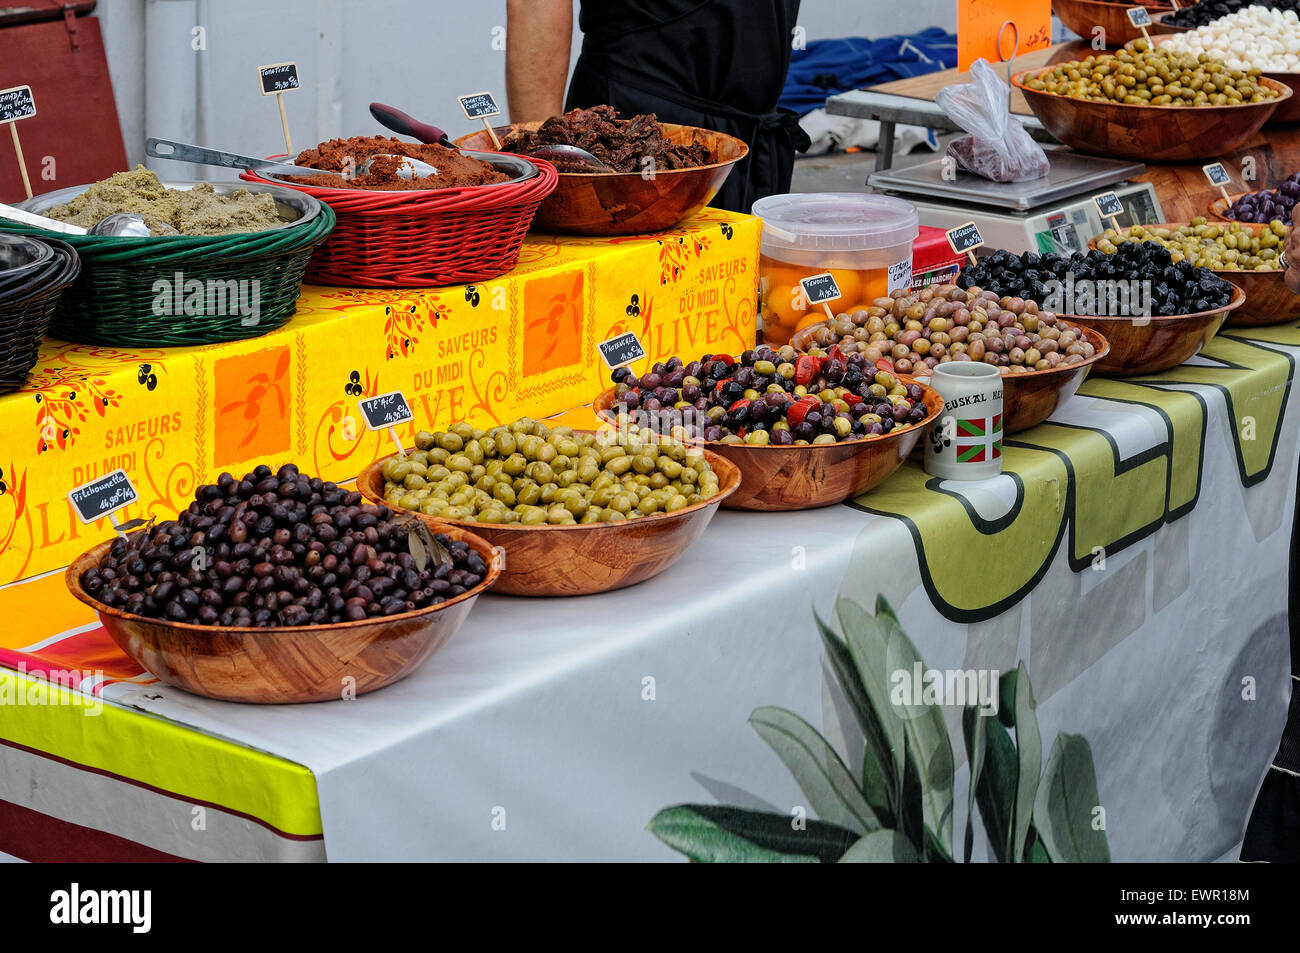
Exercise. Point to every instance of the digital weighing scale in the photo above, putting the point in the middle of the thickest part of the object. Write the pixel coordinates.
(1052, 214)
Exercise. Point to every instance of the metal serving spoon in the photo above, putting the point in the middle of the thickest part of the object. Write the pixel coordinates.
(185, 152)
(399, 121)
(571, 154)
(119, 224)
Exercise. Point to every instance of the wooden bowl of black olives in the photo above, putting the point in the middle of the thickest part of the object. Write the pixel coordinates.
(799, 445)
(273, 606)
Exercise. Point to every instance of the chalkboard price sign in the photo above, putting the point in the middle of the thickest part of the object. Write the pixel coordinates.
(1217, 174)
(16, 103)
(1138, 16)
(819, 289)
(1109, 205)
(479, 106)
(386, 410)
(965, 238)
(621, 350)
(99, 498)
(278, 78)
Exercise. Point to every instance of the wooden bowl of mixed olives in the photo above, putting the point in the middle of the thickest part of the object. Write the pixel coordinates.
(571, 512)
(1244, 253)
(805, 433)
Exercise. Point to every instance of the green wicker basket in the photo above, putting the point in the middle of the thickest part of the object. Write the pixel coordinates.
(187, 290)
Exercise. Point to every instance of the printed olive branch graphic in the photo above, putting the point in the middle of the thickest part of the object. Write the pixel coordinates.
(260, 386)
(901, 809)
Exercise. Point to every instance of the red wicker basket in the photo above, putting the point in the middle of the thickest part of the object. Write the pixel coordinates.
(417, 239)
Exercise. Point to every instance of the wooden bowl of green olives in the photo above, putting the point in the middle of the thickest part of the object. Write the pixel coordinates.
(1253, 247)
(607, 538)
(1157, 131)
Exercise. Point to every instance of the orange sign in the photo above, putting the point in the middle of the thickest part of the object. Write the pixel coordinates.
(979, 23)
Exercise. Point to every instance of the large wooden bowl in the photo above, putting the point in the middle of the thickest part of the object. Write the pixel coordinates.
(292, 664)
(1029, 398)
(586, 558)
(805, 478)
(1148, 133)
(629, 203)
(1149, 345)
(1268, 299)
(1289, 111)
(1084, 16)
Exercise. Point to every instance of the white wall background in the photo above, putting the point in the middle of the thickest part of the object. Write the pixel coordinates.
(416, 55)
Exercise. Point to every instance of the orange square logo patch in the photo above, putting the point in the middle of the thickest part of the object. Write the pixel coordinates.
(252, 404)
(554, 314)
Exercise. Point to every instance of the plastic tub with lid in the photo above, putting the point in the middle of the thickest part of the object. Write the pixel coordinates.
(864, 240)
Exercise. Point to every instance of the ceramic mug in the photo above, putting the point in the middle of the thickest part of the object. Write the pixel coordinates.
(965, 442)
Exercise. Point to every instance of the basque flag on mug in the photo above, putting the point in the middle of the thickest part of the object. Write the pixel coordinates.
(979, 439)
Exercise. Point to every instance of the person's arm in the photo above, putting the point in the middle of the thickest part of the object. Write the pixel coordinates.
(1292, 276)
(538, 38)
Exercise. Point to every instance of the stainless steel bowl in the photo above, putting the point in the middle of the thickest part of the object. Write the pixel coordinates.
(18, 254)
(296, 208)
(517, 167)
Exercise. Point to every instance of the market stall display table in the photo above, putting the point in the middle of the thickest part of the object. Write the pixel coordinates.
(1133, 554)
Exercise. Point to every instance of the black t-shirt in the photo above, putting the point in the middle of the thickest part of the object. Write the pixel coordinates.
(734, 52)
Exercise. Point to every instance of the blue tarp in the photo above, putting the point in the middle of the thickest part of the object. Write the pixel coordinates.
(827, 67)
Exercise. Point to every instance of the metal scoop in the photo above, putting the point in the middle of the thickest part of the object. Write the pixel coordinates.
(121, 224)
(185, 152)
(571, 154)
(399, 121)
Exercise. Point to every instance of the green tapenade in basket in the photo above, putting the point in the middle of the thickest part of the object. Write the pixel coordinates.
(187, 290)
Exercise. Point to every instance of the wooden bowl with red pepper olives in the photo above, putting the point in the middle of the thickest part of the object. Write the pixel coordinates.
(799, 476)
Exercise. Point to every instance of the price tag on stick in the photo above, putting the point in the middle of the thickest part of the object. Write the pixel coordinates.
(821, 290)
(1109, 207)
(1140, 17)
(17, 103)
(481, 106)
(621, 351)
(1219, 178)
(964, 239)
(387, 412)
(278, 79)
(103, 497)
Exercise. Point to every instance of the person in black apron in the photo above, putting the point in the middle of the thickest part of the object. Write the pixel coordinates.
(717, 64)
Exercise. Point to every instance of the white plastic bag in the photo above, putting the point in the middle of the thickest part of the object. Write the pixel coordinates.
(998, 146)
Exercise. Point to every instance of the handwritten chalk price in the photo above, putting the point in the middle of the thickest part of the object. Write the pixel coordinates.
(481, 106)
(622, 350)
(964, 239)
(819, 289)
(278, 79)
(103, 497)
(386, 410)
(1139, 16)
(1219, 178)
(1217, 174)
(1109, 205)
(16, 103)
(478, 105)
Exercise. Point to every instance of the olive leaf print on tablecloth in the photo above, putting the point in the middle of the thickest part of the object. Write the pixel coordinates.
(901, 808)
